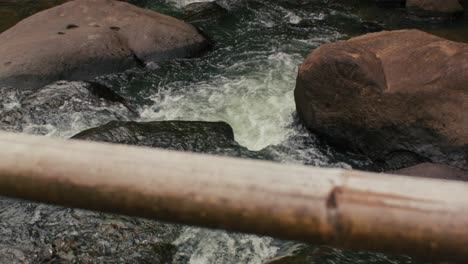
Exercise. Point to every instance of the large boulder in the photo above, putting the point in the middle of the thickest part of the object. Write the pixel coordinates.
(388, 92)
(82, 39)
(446, 7)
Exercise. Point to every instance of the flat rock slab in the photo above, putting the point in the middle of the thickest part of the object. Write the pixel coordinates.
(389, 91)
(82, 39)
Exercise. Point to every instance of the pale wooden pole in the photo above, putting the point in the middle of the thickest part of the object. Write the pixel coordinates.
(351, 209)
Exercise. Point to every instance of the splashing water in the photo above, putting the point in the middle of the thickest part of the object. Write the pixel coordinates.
(201, 246)
(258, 106)
(252, 84)
(182, 3)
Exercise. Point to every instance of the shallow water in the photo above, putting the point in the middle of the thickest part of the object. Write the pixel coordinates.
(248, 82)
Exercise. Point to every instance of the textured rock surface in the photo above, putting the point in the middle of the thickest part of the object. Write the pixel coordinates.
(61, 106)
(83, 39)
(194, 136)
(35, 233)
(389, 91)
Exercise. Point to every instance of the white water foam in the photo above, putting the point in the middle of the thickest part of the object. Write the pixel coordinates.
(182, 3)
(202, 246)
(258, 105)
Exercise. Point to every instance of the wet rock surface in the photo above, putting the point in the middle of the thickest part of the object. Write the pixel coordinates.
(194, 136)
(61, 106)
(35, 233)
(371, 95)
(82, 39)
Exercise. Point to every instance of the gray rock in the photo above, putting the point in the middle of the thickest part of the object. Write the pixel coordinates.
(194, 136)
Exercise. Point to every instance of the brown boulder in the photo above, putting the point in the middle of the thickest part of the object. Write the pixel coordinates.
(436, 171)
(435, 6)
(82, 39)
(389, 91)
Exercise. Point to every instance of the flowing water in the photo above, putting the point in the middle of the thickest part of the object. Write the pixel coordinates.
(247, 81)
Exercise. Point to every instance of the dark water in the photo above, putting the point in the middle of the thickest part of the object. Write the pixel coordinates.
(13, 11)
(246, 81)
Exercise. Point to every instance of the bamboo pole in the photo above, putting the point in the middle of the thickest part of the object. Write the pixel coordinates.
(343, 208)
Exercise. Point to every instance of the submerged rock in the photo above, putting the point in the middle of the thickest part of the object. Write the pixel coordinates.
(388, 92)
(203, 10)
(82, 39)
(194, 136)
(62, 106)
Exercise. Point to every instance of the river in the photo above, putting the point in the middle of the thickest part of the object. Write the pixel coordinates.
(248, 80)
